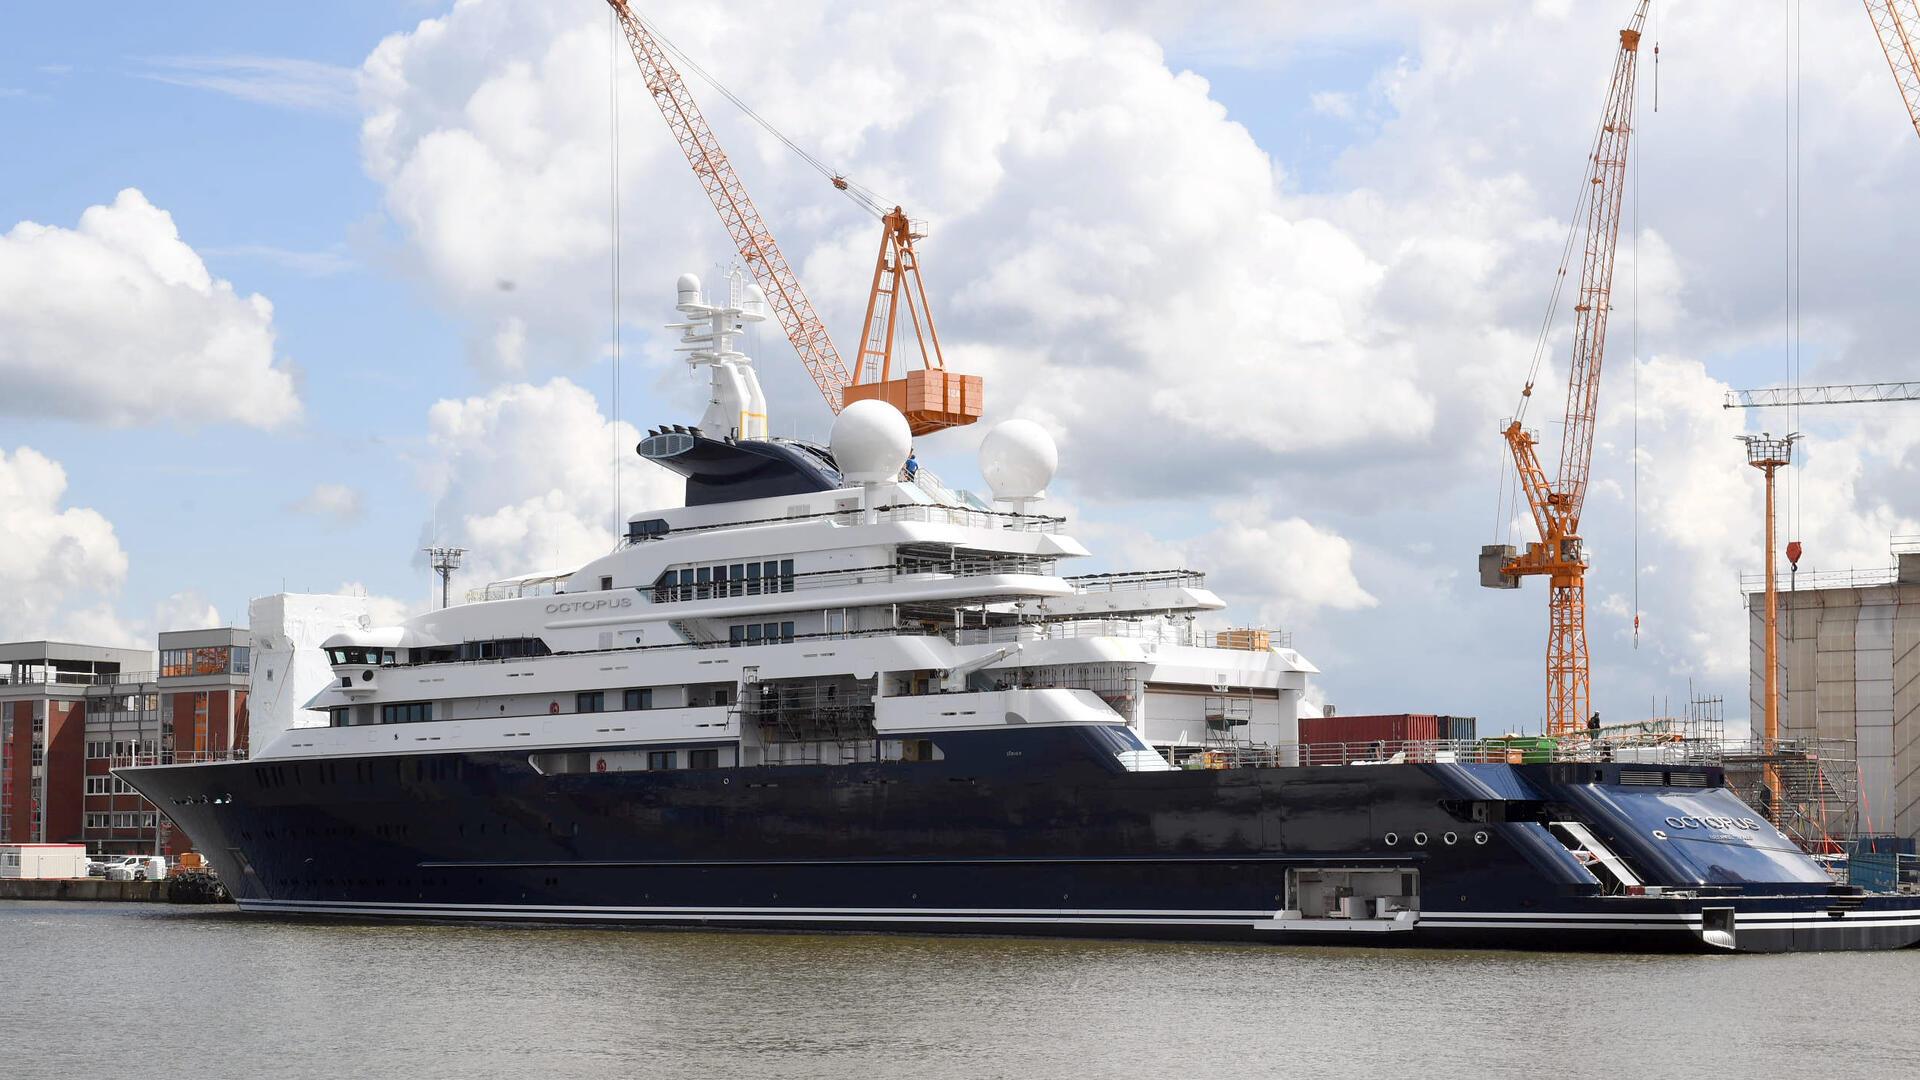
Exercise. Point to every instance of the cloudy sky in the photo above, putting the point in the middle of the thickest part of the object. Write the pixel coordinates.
(287, 292)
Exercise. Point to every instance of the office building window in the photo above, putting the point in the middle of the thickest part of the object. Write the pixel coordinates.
(207, 660)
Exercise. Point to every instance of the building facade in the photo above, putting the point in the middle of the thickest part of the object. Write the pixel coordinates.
(70, 714)
(1849, 668)
(43, 693)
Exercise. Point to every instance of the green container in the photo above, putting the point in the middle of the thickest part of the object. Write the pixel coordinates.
(1521, 749)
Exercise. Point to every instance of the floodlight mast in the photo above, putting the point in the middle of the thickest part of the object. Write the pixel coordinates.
(445, 560)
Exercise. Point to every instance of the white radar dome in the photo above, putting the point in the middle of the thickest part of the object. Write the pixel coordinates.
(689, 289)
(870, 442)
(1018, 458)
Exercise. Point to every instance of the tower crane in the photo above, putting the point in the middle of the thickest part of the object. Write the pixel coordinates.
(1556, 503)
(931, 397)
(1852, 394)
(1898, 24)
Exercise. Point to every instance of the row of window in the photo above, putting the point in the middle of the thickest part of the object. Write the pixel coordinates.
(106, 748)
(767, 633)
(108, 785)
(496, 649)
(206, 660)
(410, 712)
(596, 700)
(725, 579)
(131, 819)
(359, 654)
(696, 759)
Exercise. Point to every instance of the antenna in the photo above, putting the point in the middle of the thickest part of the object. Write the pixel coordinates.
(445, 562)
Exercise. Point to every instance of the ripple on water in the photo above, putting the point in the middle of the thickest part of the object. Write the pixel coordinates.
(213, 993)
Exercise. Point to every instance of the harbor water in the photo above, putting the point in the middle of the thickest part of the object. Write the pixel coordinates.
(201, 992)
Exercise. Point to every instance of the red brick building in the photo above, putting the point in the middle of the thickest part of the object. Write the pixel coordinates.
(72, 718)
(43, 691)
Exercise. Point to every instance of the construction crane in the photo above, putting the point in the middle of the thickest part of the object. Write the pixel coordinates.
(931, 398)
(1898, 24)
(1557, 503)
(1852, 394)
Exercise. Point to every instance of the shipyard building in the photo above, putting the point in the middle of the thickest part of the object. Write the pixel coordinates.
(1849, 674)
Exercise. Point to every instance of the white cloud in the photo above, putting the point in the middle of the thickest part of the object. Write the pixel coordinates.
(523, 478)
(1123, 262)
(1056, 154)
(265, 80)
(119, 322)
(185, 610)
(382, 610)
(1335, 103)
(337, 502)
(59, 566)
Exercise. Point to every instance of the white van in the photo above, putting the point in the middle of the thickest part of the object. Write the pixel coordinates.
(136, 868)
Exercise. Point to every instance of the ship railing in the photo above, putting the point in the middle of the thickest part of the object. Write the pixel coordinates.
(1138, 579)
(926, 570)
(1491, 751)
(935, 513)
(715, 643)
(1158, 631)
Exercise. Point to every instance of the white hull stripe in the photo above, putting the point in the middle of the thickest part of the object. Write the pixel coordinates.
(1563, 921)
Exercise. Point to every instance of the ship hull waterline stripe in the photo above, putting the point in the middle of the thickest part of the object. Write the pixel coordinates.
(1091, 918)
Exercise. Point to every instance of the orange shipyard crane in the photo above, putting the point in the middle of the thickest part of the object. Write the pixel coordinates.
(931, 398)
(1898, 24)
(1557, 504)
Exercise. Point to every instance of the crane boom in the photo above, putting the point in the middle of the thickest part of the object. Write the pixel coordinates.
(751, 237)
(1593, 302)
(1556, 506)
(1852, 394)
(1898, 24)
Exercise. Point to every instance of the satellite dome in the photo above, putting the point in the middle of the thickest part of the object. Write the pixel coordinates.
(689, 288)
(1018, 458)
(870, 442)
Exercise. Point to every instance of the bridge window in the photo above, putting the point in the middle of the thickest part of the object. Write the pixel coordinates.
(411, 712)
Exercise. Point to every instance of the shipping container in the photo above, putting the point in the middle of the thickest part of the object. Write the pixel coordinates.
(1329, 740)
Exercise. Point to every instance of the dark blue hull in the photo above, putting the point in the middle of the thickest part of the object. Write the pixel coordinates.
(1055, 840)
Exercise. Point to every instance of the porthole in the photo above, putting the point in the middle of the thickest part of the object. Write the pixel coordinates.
(1391, 839)
(1420, 839)
(1480, 837)
(366, 676)
(1450, 839)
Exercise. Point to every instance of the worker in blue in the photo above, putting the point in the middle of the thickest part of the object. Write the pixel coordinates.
(913, 465)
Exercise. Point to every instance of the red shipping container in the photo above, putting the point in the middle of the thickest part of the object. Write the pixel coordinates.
(1337, 740)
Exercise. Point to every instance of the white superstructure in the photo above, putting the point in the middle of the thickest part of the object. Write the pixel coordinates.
(809, 605)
